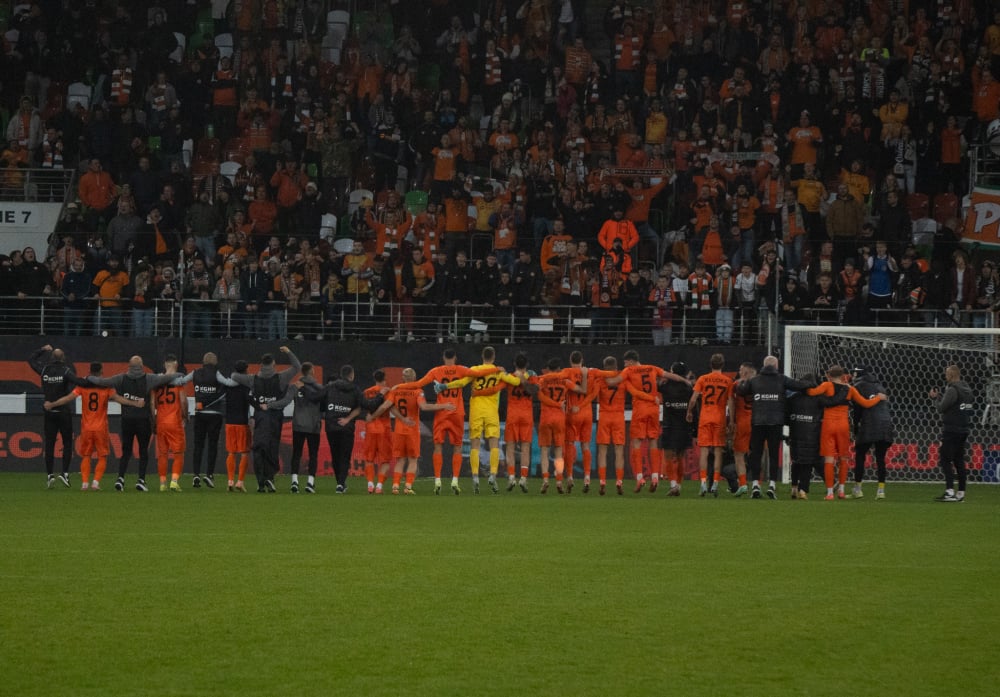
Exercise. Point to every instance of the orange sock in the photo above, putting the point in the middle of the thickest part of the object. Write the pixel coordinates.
(602, 473)
(510, 469)
(231, 466)
(178, 468)
(410, 476)
(370, 471)
(569, 457)
(456, 463)
(244, 461)
(102, 464)
(704, 474)
(85, 470)
(396, 476)
(588, 460)
(161, 466)
(655, 461)
(524, 471)
(381, 477)
(844, 466)
(437, 459)
(828, 474)
(743, 479)
(717, 476)
(636, 462)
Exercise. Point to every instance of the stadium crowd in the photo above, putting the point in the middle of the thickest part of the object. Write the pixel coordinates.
(703, 162)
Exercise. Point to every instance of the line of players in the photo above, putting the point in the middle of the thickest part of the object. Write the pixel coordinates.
(748, 411)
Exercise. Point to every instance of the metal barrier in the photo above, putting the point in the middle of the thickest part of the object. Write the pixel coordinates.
(37, 184)
(358, 319)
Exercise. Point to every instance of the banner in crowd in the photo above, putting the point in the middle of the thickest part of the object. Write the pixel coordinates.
(982, 221)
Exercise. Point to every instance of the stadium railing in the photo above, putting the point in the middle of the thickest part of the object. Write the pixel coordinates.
(359, 319)
(37, 184)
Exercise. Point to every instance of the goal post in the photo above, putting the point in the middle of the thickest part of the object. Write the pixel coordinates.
(910, 362)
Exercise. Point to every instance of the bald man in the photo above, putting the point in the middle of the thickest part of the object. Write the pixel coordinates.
(135, 424)
(58, 379)
(209, 411)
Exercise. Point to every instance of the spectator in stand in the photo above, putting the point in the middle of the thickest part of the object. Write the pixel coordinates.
(97, 192)
(110, 284)
(962, 293)
(253, 296)
(76, 289)
(843, 222)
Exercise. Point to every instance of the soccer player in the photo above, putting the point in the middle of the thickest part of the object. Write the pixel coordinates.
(610, 422)
(170, 408)
(271, 394)
(766, 392)
(344, 402)
(237, 429)
(714, 391)
(307, 420)
(520, 421)
(579, 421)
(449, 424)
(552, 389)
(405, 401)
(956, 407)
(94, 436)
(835, 435)
(484, 413)
(378, 437)
(873, 431)
(741, 423)
(136, 422)
(58, 379)
(675, 438)
(640, 381)
(209, 405)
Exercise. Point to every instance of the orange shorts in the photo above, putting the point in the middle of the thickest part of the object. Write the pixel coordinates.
(518, 429)
(237, 438)
(835, 442)
(171, 440)
(645, 424)
(611, 430)
(405, 444)
(450, 429)
(711, 434)
(552, 433)
(579, 429)
(378, 448)
(91, 442)
(741, 441)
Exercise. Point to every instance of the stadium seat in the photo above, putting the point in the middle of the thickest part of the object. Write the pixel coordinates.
(945, 207)
(177, 55)
(335, 36)
(229, 170)
(416, 201)
(78, 93)
(330, 55)
(355, 198)
(918, 205)
(341, 17)
(224, 43)
(12, 36)
(328, 226)
(428, 76)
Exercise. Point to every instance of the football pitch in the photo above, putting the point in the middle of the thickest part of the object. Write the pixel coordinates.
(208, 593)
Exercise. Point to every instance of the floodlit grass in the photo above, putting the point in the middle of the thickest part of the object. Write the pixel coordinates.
(209, 593)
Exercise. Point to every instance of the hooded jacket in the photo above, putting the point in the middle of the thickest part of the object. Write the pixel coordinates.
(956, 408)
(341, 398)
(874, 424)
(135, 383)
(767, 391)
(308, 404)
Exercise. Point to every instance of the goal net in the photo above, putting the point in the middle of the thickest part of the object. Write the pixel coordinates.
(909, 363)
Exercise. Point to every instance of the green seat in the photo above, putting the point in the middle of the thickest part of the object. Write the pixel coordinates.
(429, 76)
(344, 227)
(416, 202)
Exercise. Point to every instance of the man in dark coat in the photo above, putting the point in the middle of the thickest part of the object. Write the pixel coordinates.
(873, 431)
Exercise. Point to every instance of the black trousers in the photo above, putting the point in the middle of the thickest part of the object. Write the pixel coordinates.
(299, 440)
(760, 436)
(952, 459)
(206, 434)
(341, 445)
(135, 430)
(802, 473)
(880, 448)
(58, 423)
(266, 441)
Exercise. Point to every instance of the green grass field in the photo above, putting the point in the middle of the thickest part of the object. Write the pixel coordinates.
(208, 593)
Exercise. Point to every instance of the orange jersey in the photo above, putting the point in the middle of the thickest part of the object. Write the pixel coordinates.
(407, 398)
(743, 406)
(169, 406)
(445, 374)
(552, 394)
(837, 416)
(715, 389)
(610, 398)
(380, 425)
(581, 401)
(94, 408)
(642, 378)
(519, 403)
